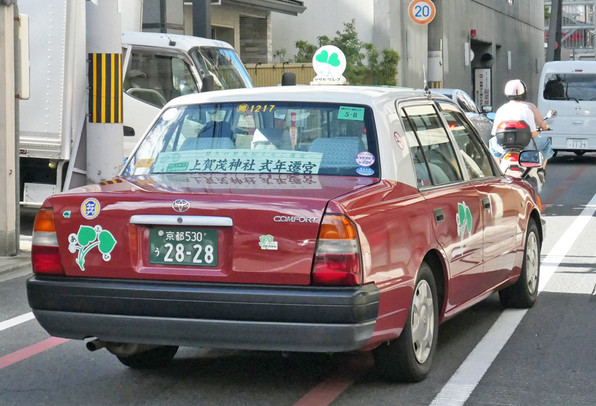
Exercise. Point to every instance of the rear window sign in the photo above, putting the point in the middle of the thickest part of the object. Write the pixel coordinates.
(255, 108)
(350, 113)
(264, 161)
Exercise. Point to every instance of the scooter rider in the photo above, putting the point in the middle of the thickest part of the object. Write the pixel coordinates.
(519, 109)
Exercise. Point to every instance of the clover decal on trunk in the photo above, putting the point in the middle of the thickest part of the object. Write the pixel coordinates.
(88, 238)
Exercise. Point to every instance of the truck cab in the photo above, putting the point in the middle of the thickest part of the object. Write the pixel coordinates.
(159, 67)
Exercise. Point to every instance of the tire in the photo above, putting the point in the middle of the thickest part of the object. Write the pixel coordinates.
(154, 358)
(524, 292)
(409, 357)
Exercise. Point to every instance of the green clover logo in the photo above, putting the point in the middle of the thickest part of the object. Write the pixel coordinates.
(463, 219)
(324, 57)
(88, 238)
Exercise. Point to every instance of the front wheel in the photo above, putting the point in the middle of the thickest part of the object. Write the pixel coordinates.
(524, 292)
(409, 357)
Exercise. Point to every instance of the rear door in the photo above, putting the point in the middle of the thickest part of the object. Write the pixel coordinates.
(498, 208)
(455, 205)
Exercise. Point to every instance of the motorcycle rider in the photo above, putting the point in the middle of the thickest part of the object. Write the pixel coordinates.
(516, 109)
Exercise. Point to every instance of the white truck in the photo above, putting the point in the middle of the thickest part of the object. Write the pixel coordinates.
(155, 68)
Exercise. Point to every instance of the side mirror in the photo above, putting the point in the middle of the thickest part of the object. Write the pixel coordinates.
(487, 109)
(208, 83)
(129, 131)
(551, 114)
(531, 159)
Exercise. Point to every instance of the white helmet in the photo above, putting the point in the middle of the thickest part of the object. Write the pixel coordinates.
(515, 89)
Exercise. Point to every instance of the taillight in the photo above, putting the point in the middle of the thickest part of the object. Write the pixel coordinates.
(44, 245)
(511, 157)
(512, 125)
(337, 259)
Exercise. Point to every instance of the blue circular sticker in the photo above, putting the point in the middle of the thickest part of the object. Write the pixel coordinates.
(90, 208)
(365, 171)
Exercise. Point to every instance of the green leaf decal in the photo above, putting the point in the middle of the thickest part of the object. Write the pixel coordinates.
(334, 60)
(462, 213)
(469, 219)
(322, 57)
(106, 242)
(86, 235)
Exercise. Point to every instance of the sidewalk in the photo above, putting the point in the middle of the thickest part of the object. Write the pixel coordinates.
(18, 265)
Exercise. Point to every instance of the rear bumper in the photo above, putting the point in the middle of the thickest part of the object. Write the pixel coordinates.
(254, 317)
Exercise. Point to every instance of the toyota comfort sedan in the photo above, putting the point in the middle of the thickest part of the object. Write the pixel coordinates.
(297, 218)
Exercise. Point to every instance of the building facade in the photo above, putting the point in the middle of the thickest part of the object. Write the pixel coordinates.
(496, 39)
(245, 24)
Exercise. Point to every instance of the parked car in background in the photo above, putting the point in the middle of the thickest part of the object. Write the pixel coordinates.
(467, 104)
(292, 218)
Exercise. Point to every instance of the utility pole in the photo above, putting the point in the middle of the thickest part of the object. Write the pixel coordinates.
(201, 18)
(104, 125)
(554, 32)
(9, 219)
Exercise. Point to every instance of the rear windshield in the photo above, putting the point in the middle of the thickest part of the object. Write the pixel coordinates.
(267, 138)
(570, 86)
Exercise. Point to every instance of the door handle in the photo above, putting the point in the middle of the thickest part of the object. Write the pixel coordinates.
(486, 203)
(439, 215)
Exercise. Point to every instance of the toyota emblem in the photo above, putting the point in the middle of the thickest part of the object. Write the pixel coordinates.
(180, 205)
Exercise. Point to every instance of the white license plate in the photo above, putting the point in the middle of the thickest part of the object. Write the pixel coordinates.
(580, 143)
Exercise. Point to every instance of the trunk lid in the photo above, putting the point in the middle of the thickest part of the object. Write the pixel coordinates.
(215, 228)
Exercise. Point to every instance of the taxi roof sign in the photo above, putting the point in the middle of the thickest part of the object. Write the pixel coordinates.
(329, 63)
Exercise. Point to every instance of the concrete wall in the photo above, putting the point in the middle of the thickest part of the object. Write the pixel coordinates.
(502, 30)
(439, 48)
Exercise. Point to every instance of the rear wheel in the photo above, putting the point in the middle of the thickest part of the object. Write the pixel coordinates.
(524, 292)
(409, 357)
(153, 358)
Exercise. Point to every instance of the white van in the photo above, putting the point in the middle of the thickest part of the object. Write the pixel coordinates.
(569, 87)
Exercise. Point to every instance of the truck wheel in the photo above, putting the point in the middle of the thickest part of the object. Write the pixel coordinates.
(523, 293)
(153, 358)
(409, 357)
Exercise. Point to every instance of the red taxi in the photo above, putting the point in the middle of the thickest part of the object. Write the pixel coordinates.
(298, 218)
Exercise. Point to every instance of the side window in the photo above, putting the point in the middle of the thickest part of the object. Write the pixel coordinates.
(157, 79)
(432, 152)
(476, 160)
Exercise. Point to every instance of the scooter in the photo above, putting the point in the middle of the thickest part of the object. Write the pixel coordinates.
(521, 157)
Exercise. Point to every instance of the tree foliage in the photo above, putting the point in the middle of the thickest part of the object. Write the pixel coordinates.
(363, 65)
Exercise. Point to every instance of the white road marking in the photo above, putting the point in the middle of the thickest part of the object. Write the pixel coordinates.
(15, 321)
(463, 382)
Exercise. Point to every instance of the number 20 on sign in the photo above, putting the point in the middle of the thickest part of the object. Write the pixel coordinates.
(422, 11)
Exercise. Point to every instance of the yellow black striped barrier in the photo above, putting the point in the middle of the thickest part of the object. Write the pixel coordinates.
(105, 83)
